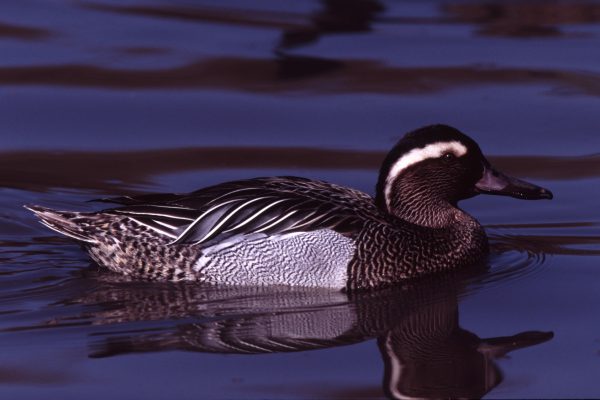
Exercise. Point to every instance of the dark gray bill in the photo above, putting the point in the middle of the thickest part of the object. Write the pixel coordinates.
(494, 182)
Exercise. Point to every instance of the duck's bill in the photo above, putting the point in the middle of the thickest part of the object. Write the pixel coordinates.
(495, 182)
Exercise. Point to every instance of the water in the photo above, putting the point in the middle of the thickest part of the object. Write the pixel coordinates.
(110, 97)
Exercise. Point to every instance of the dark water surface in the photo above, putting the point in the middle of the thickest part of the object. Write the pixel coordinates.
(108, 97)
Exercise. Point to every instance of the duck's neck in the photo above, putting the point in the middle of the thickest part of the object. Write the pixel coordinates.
(421, 207)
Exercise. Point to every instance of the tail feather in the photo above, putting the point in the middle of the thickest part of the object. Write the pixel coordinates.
(61, 222)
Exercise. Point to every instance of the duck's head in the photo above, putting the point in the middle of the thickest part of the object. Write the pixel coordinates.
(432, 168)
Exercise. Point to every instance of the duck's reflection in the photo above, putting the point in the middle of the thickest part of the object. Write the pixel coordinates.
(425, 351)
(429, 355)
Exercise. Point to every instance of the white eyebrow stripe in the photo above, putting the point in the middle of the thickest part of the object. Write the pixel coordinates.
(433, 150)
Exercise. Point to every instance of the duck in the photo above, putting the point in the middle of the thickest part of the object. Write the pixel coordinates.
(296, 231)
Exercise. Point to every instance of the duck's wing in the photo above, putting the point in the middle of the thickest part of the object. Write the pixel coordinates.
(266, 206)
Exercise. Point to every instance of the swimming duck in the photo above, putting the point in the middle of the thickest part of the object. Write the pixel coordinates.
(302, 232)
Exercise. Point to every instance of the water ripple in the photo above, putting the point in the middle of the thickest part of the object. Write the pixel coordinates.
(521, 250)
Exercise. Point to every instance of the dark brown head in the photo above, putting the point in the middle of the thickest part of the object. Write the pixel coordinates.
(436, 166)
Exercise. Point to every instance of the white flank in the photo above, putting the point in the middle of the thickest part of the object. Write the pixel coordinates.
(433, 150)
(215, 248)
(294, 259)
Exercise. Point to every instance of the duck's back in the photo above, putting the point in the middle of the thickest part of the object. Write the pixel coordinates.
(263, 231)
(269, 206)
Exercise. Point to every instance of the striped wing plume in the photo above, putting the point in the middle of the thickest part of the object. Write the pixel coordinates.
(258, 206)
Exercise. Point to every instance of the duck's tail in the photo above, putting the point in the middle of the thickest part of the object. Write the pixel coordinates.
(64, 222)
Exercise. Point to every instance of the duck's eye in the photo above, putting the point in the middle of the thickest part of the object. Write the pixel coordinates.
(448, 156)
